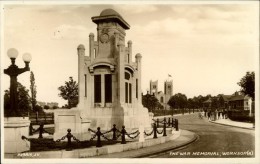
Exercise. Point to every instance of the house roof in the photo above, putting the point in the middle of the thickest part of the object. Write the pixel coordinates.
(238, 97)
(226, 97)
(208, 101)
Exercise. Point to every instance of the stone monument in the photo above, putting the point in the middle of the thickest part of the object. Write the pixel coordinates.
(109, 81)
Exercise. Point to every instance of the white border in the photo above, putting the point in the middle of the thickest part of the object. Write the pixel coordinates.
(144, 160)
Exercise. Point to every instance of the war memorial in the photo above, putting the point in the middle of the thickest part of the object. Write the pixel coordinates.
(109, 96)
(110, 120)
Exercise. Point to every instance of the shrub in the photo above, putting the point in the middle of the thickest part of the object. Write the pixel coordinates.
(46, 107)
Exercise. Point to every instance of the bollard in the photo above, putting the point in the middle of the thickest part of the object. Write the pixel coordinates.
(154, 131)
(157, 122)
(169, 121)
(98, 133)
(172, 122)
(69, 136)
(114, 132)
(164, 127)
(41, 130)
(177, 125)
(123, 132)
(30, 129)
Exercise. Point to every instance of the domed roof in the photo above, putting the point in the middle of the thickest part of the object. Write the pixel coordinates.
(111, 15)
(108, 12)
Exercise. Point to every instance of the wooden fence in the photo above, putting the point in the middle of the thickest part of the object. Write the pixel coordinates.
(46, 118)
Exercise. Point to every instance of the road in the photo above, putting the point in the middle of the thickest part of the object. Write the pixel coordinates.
(214, 141)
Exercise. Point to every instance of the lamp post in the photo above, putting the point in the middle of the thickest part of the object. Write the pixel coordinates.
(13, 71)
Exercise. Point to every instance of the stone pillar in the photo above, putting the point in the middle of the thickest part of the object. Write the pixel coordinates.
(81, 76)
(130, 50)
(102, 90)
(138, 58)
(121, 72)
(14, 129)
(91, 46)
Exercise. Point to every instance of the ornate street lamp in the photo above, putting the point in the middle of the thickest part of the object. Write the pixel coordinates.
(13, 71)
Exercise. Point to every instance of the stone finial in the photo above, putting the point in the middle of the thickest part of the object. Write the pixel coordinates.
(81, 46)
(91, 34)
(138, 56)
(129, 42)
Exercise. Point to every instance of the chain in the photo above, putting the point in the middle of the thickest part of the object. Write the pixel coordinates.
(76, 139)
(134, 132)
(134, 136)
(25, 138)
(91, 130)
(62, 138)
(94, 136)
(149, 133)
(159, 132)
(108, 131)
(47, 132)
(106, 137)
(118, 136)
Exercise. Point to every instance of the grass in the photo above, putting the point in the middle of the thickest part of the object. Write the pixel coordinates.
(46, 144)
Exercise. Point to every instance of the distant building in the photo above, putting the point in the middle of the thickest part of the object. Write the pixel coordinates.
(163, 97)
(240, 102)
(236, 101)
(50, 104)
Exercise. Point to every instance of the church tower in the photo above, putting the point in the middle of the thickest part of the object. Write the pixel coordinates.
(154, 87)
(168, 90)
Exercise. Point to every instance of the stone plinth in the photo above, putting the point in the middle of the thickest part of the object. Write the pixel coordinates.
(65, 119)
(14, 129)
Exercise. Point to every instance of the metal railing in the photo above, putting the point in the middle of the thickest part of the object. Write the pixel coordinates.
(111, 135)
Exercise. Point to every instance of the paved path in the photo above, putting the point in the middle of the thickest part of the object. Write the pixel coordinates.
(185, 138)
(229, 122)
(215, 141)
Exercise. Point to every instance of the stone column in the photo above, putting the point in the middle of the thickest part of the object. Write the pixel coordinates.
(121, 72)
(81, 76)
(91, 46)
(130, 50)
(138, 58)
(102, 90)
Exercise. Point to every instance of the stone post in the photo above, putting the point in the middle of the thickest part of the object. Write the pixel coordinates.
(121, 72)
(91, 46)
(138, 58)
(81, 76)
(130, 50)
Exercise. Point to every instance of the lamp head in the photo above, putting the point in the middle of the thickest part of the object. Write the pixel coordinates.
(27, 57)
(12, 53)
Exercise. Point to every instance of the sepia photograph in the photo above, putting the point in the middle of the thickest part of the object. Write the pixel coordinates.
(129, 82)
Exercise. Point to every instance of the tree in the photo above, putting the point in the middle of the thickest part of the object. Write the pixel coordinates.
(150, 102)
(33, 91)
(70, 92)
(46, 107)
(24, 104)
(247, 84)
(178, 101)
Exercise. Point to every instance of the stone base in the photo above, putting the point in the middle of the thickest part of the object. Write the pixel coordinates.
(71, 119)
(14, 129)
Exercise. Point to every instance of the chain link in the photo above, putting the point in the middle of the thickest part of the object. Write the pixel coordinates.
(94, 136)
(134, 136)
(62, 138)
(134, 132)
(159, 132)
(148, 133)
(76, 139)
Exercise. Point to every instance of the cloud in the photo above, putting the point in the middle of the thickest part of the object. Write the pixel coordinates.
(66, 31)
(136, 9)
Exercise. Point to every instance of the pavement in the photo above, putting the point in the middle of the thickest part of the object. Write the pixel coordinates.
(229, 122)
(185, 138)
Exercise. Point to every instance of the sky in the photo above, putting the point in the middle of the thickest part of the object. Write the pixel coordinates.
(206, 48)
